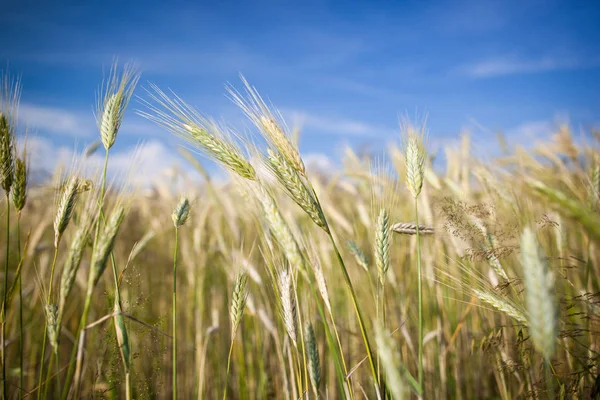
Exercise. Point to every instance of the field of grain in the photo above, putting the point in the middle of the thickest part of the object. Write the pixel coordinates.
(392, 277)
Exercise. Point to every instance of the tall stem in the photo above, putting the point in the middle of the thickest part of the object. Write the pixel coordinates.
(84, 316)
(20, 307)
(363, 329)
(74, 362)
(175, 313)
(4, 305)
(228, 366)
(48, 298)
(420, 296)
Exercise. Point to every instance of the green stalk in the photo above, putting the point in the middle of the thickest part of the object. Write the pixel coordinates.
(72, 363)
(175, 315)
(5, 294)
(41, 377)
(363, 329)
(20, 307)
(88, 299)
(549, 379)
(420, 296)
(228, 366)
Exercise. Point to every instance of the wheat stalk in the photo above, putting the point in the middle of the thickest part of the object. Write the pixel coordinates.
(390, 360)
(414, 156)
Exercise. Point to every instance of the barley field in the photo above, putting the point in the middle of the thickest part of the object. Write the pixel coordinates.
(396, 276)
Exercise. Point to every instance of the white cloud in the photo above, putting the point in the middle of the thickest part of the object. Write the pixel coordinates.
(319, 162)
(57, 120)
(530, 131)
(140, 165)
(513, 65)
(335, 125)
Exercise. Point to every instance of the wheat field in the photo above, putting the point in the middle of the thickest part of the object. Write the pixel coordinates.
(394, 276)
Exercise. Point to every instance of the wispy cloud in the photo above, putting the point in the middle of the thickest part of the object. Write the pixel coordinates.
(336, 125)
(513, 65)
(530, 131)
(57, 120)
(142, 165)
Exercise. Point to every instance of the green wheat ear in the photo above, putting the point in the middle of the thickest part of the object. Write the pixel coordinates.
(181, 212)
(314, 368)
(238, 302)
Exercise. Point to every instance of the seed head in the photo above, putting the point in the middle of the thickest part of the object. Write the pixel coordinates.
(408, 228)
(66, 204)
(113, 103)
(181, 119)
(238, 302)
(181, 212)
(296, 188)
(122, 337)
(20, 185)
(288, 304)
(73, 261)
(414, 155)
(382, 244)
(52, 323)
(7, 153)
(314, 369)
(359, 255)
(539, 295)
(279, 227)
(105, 245)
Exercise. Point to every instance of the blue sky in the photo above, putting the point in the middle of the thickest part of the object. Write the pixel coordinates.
(345, 70)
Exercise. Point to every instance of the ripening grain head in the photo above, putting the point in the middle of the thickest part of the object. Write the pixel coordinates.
(21, 179)
(65, 207)
(105, 245)
(181, 119)
(7, 154)
(415, 154)
(382, 244)
(113, 101)
(539, 295)
(10, 93)
(288, 304)
(269, 123)
(314, 367)
(295, 187)
(181, 212)
(238, 302)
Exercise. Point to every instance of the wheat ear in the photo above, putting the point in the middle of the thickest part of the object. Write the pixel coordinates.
(539, 295)
(314, 368)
